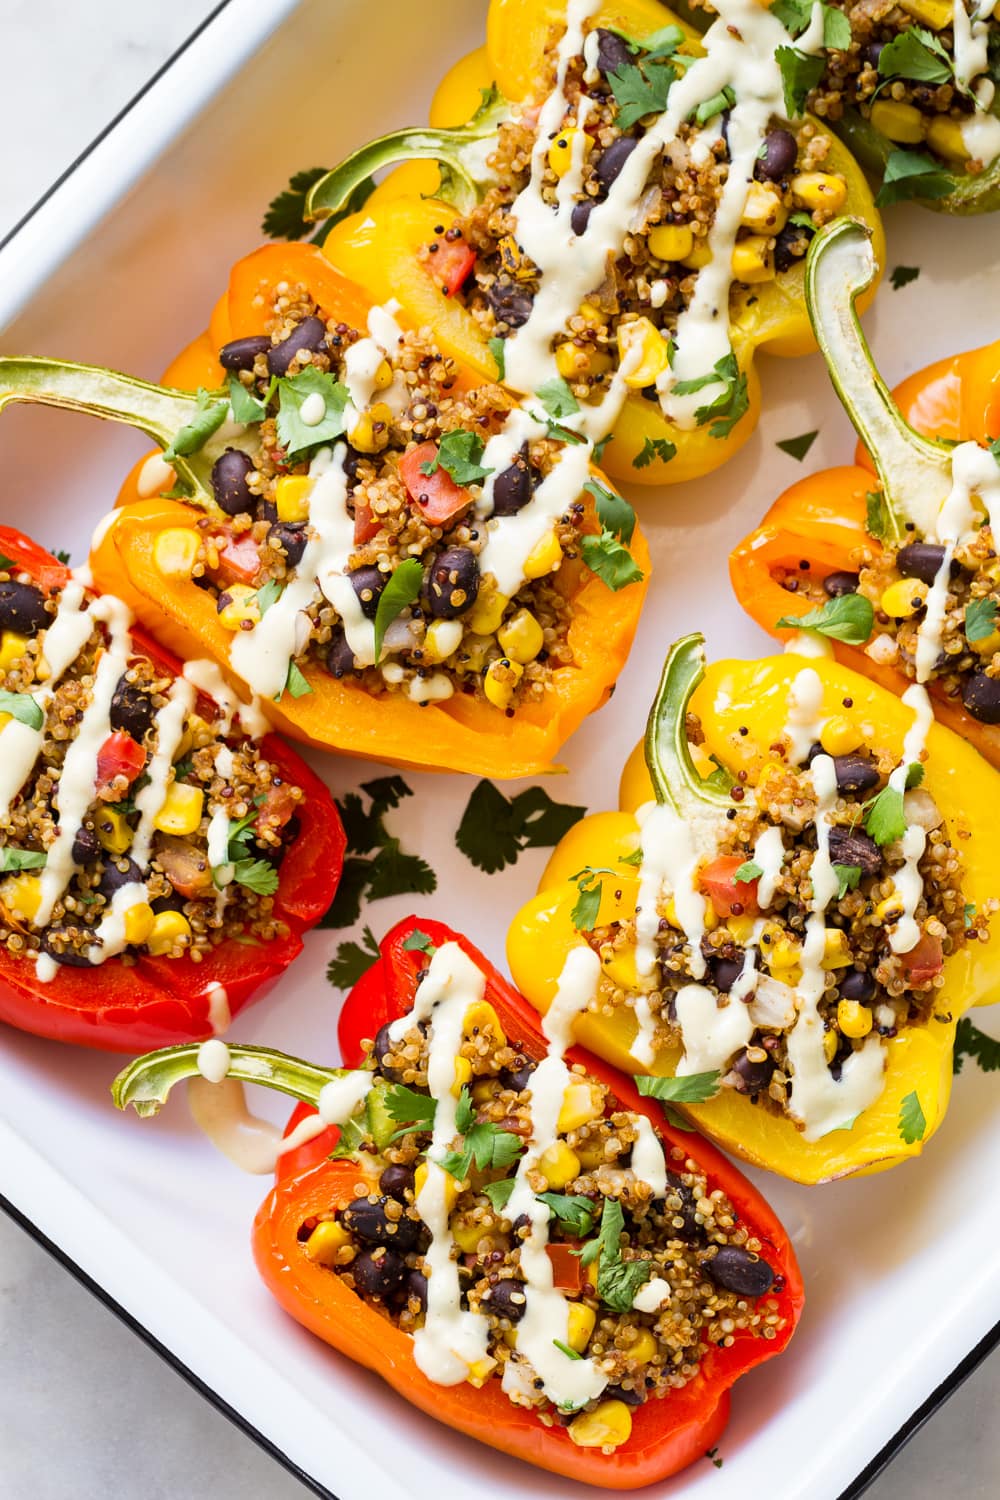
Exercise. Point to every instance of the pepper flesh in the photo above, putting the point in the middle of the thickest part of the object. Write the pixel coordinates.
(667, 1434)
(156, 1001)
(379, 248)
(753, 695)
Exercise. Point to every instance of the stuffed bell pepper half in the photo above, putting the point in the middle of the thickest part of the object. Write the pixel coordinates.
(898, 569)
(501, 1226)
(619, 227)
(791, 911)
(161, 860)
(397, 565)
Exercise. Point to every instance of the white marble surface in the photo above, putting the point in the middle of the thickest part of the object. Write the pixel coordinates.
(87, 1410)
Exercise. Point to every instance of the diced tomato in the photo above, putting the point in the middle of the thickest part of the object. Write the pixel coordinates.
(120, 755)
(450, 263)
(277, 808)
(925, 960)
(437, 497)
(567, 1274)
(365, 524)
(239, 561)
(725, 892)
(184, 864)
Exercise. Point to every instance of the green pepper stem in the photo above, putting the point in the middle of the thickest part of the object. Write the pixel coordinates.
(914, 471)
(460, 153)
(147, 1082)
(668, 754)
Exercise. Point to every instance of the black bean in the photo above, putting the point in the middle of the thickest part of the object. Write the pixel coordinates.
(689, 1228)
(22, 608)
(518, 1079)
(511, 304)
(580, 217)
(229, 482)
(291, 538)
(613, 51)
(396, 1180)
(852, 846)
(368, 584)
(856, 984)
(382, 1047)
(131, 709)
(920, 560)
(370, 1222)
(778, 156)
(726, 971)
(612, 160)
(68, 956)
(453, 583)
(855, 772)
(351, 460)
(981, 696)
(339, 656)
(838, 584)
(755, 1075)
(239, 354)
(174, 902)
(85, 846)
(513, 486)
(872, 52)
(506, 1300)
(738, 1271)
(116, 873)
(792, 235)
(621, 1393)
(416, 1286)
(378, 1273)
(309, 334)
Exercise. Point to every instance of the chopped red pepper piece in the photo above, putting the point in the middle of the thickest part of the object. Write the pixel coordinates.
(729, 896)
(365, 524)
(437, 497)
(450, 262)
(567, 1273)
(239, 561)
(120, 755)
(925, 960)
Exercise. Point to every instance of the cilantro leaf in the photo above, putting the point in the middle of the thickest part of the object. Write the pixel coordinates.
(749, 870)
(688, 1088)
(914, 774)
(23, 708)
(800, 73)
(396, 873)
(418, 942)
(268, 595)
(6, 563)
(912, 174)
(296, 684)
(980, 619)
(903, 275)
(390, 871)
(210, 414)
(849, 618)
(662, 43)
(836, 29)
(847, 879)
(486, 1147)
(614, 513)
(618, 1280)
(912, 1123)
(557, 398)
(21, 859)
(499, 1193)
(885, 819)
(641, 89)
(244, 405)
(732, 402)
(459, 454)
(352, 960)
(284, 218)
(590, 888)
(613, 564)
(499, 352)
(652, 448)
(573, 1213)
(798, 447)
(408, 1107)
(353, 1135)
(399, 593)
(915, 54)
(294, 391)
(258, 875)
(494, 829)
(971, 1042)
(876, 515)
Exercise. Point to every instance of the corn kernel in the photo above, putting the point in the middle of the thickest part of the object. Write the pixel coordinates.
(652, 357)
(944, 136)
(752, 259)
(591, 1155)
(577, 361)
(937, 14)
(840, 735)
(700, 256)
(670, 241)
(711, 916)
(581, 1103)
(591, 315)
(561, 150)
(485, 617)
(741, 929)
(482, 1020)
(113, 831)
(466, 1235)
(383, 376)
(175, 551)
(899, 122)
(485, 1089)
(544, 557)
(22, 895)
(442, 639)
(764, 211)
(181, 809)
(522, 637)
(463, 1072)
(853, 1018)
(903, 598)
(580, 1325)
(326, 1241)
(891, 907)
(779, 948)
(168, 931)
(138, 922)
(291, 497)
(480, 1371)
(240, 606)
(607, 1426)
(820, 190)
(830, 1044)
(644, 1348)
(450, 1185)
(836, 952)
(370, 434)
(499, 681)
(12, 648)
(559, 1165)
(988, 644)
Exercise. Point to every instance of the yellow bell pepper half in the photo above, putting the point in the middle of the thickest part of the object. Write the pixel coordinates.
(754, 694)
(380, 246)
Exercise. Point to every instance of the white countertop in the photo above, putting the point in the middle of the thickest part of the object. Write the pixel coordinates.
(88, 1410)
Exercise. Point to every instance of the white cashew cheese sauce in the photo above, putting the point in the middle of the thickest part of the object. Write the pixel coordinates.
(981, 130)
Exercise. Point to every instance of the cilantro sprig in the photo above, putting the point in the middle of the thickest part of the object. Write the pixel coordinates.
(641, 89)
(352, 960)
(607, 555)
(849, 618)
(460, 455)
(376, 865)
(484, 1145)
(971, 1042)
(495, 829)
(402, 590)
(210, 414)
(732, 402)
(980, 619)
(294, 391)
(654, 448)
(686, 1088)
(618, 1279)
(23, 708)
(912, 1121)
(912, 174)
(798, 447)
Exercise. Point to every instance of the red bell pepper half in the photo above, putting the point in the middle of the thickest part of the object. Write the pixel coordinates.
(159, 1001)
(667, 1434)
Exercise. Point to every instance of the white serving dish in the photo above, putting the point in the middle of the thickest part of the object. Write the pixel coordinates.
(121, 265)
